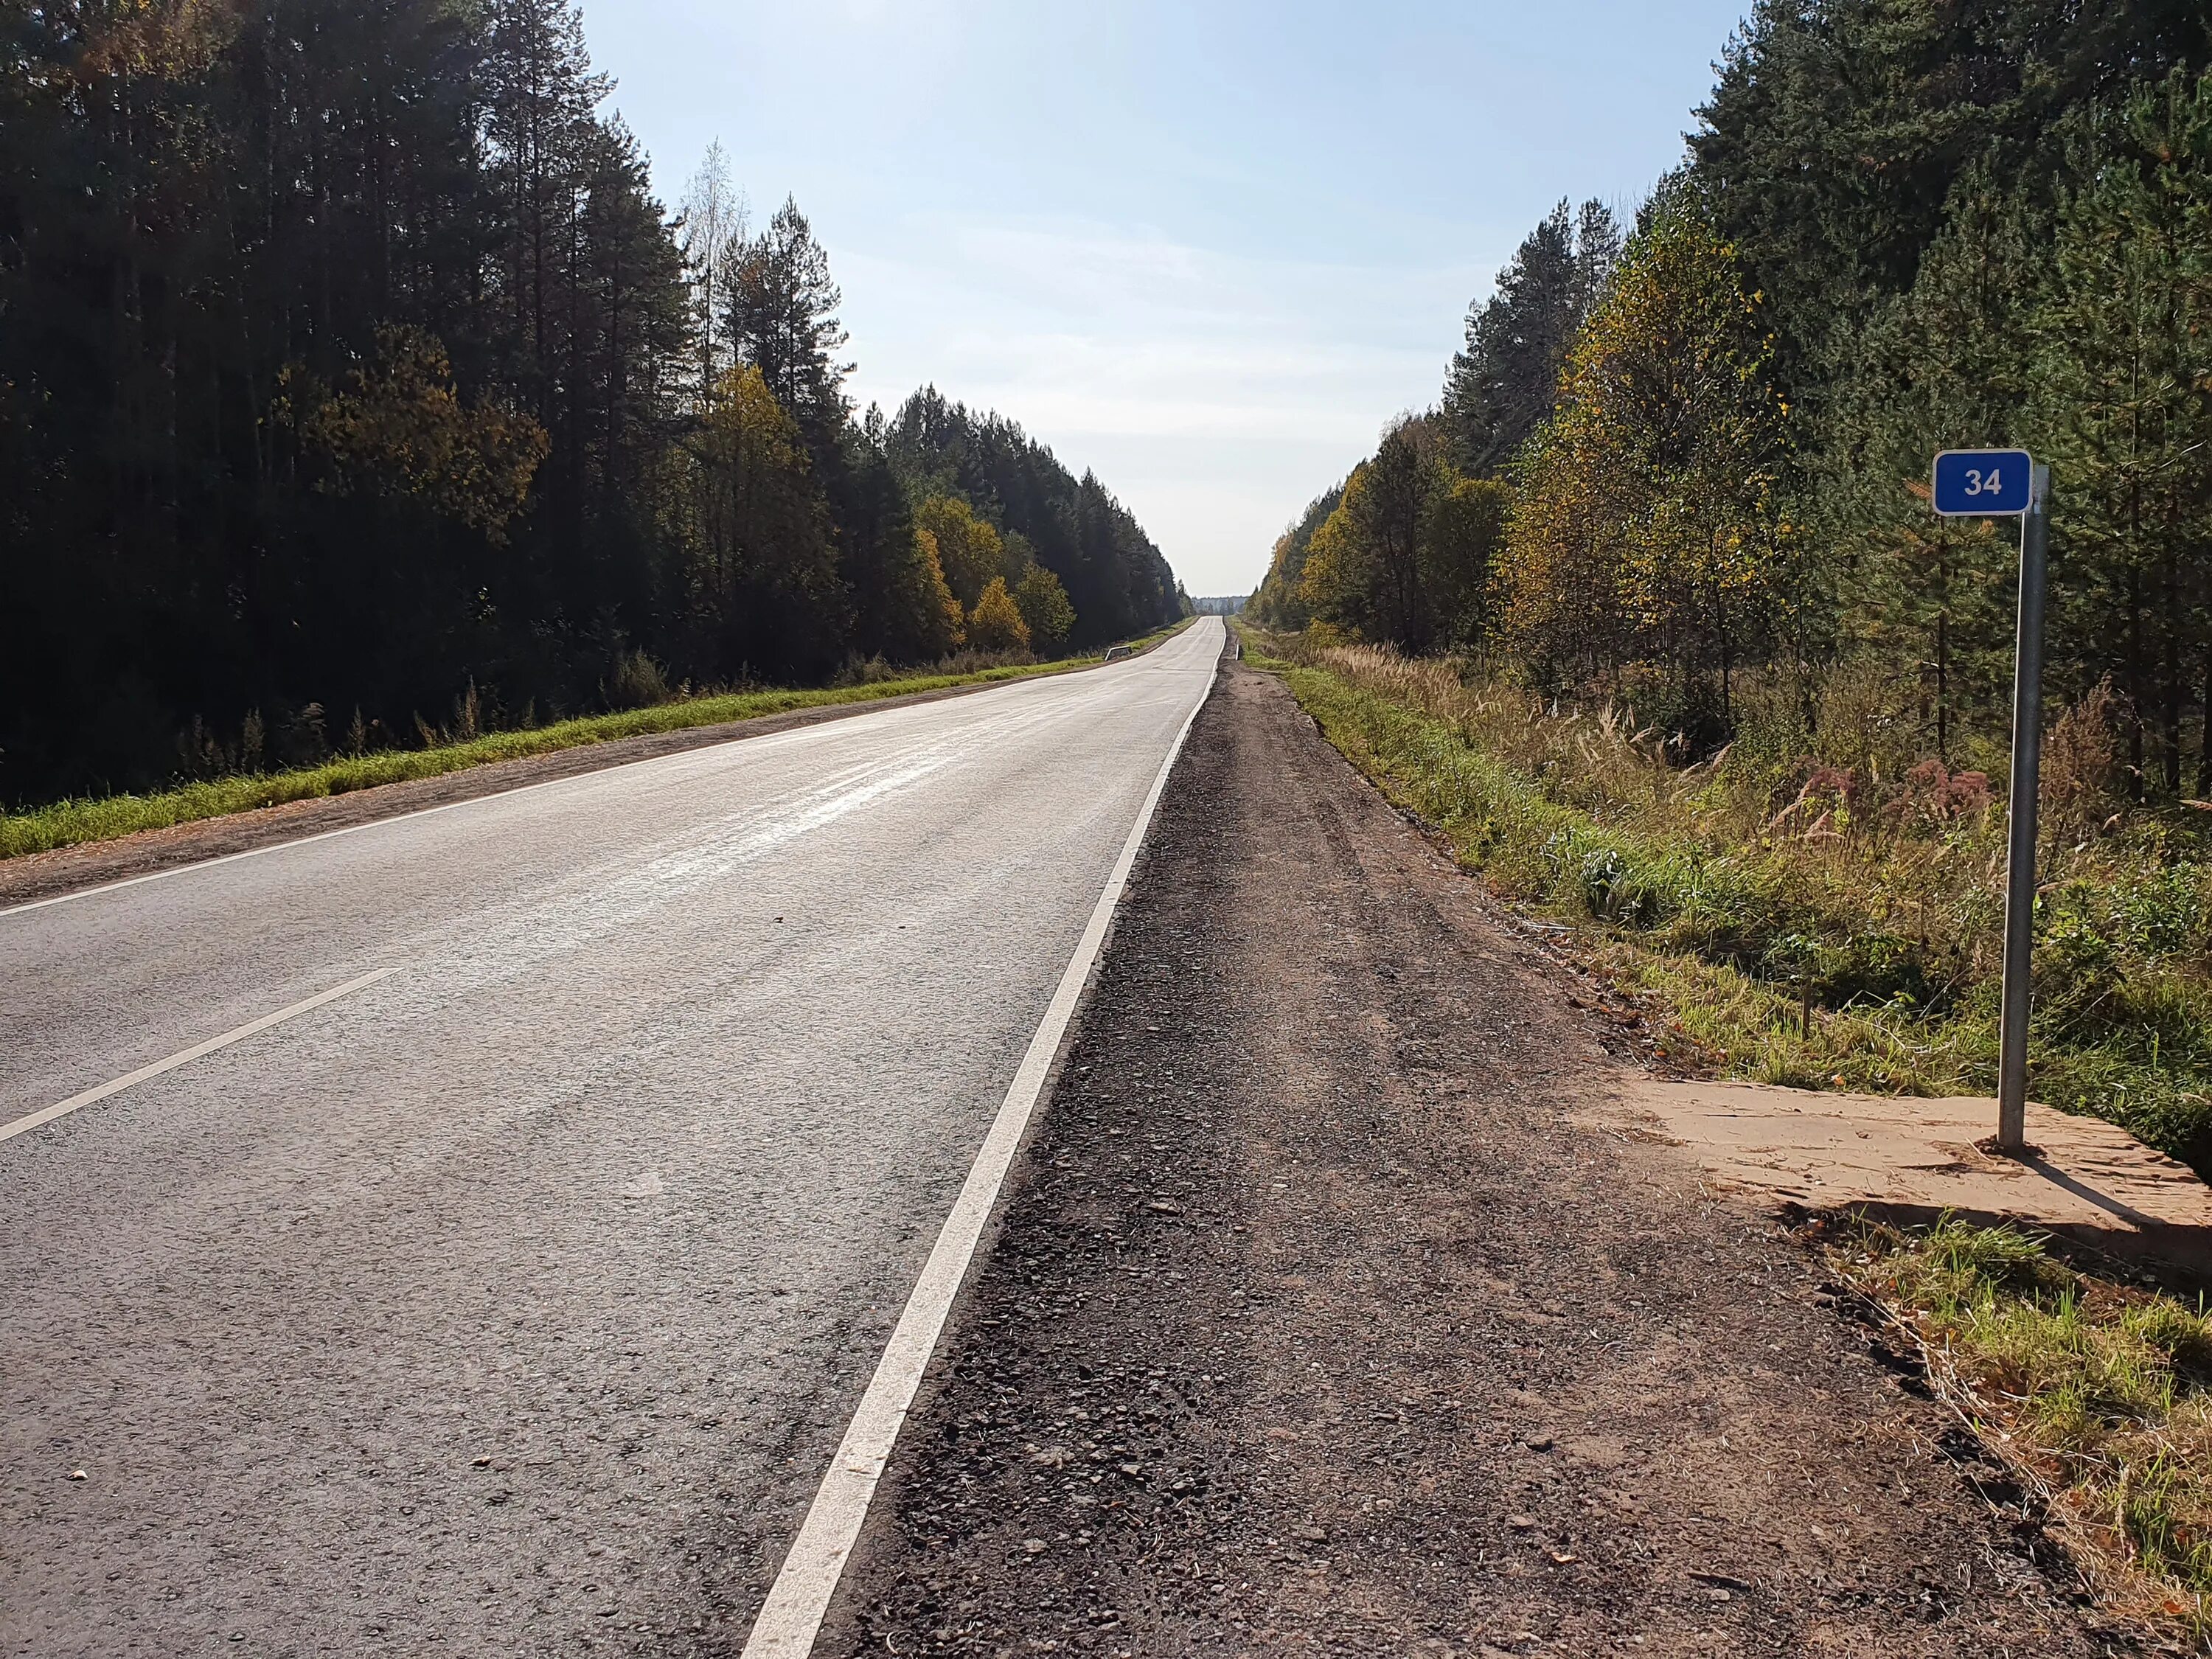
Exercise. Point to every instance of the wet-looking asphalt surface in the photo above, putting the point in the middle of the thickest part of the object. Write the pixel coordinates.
(512, 1302)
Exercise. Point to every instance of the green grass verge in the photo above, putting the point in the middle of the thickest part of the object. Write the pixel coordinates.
(1736, 934)
(2102, 1390)
(71, 822)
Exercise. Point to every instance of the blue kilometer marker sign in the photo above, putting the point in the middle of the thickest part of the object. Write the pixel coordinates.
(2006, 483)
(1984, 483)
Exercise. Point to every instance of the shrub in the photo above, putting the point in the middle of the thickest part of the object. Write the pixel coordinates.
(636, 681)
(996, 623)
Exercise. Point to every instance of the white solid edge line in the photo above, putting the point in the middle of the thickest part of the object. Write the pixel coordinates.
(130, 1079)
(792, 1616)
(859, 710)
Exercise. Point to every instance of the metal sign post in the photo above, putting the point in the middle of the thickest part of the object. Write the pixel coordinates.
(2003, 484)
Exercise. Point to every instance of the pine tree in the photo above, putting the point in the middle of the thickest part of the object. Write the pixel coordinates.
(2124, 412)
(540, 98)
(783, 321)
(903, 609)
(1502, 384)
(347, 358)
(1944, 367)
(1831, 143)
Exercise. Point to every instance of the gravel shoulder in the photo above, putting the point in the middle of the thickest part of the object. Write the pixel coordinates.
(1318, 1323)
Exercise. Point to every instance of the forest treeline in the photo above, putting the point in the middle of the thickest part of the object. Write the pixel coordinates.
(1672, 463)
(354, 383)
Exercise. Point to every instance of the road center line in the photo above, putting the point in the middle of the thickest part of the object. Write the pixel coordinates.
(792, 1616)
(184, 1057)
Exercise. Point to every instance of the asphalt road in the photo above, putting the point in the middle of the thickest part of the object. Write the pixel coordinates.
(512, 1302)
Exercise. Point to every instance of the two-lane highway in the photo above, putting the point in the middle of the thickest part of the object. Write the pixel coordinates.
(512, 1298)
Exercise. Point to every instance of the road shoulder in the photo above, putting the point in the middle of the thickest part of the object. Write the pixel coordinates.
(1318, 1321)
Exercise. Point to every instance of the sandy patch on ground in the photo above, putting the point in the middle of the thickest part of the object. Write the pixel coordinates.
(1910, 1160)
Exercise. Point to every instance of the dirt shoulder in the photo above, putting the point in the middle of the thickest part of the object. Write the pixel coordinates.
(1317, 1324)
(92, 864)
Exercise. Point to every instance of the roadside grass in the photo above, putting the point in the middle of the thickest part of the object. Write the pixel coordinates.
(2101, 1391)
(1809, 924)
(71, 822)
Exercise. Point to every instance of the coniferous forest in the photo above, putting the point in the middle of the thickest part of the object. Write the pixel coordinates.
(354, 381)
(1696, 445)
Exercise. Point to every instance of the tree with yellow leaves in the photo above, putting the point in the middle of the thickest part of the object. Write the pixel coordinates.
(1405, 555)
(941, 602)
(969, 547)
(1649, 525)
(1363, 571)
(764, 558)
(995, 623)
(399, 429)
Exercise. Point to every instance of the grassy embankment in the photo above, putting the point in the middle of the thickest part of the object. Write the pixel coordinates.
(1829, 925)
(68, 823)
(2099, 1392)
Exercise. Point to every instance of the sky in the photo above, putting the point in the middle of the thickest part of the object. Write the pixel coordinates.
(1204, 249)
